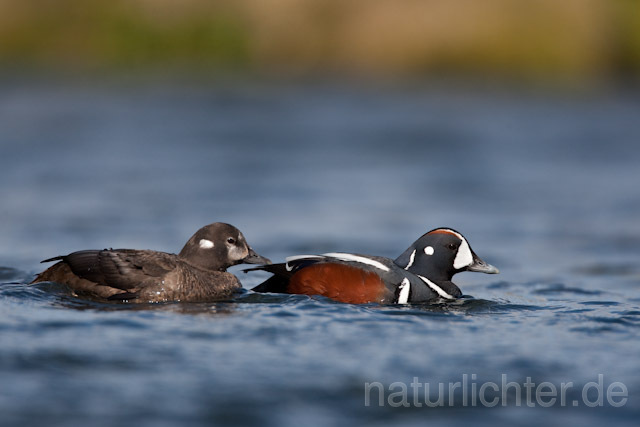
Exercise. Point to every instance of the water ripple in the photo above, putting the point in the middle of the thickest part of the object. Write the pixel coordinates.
(560, 288)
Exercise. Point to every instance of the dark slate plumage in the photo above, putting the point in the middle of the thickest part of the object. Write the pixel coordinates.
(198, 273)
(422, 273)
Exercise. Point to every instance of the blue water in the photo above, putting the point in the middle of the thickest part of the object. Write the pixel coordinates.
(543, 185)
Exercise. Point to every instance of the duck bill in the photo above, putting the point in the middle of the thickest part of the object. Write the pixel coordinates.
(254, 258)
(479, 266)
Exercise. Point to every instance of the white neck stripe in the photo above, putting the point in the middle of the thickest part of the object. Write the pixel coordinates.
(411, 259)
(437, 289)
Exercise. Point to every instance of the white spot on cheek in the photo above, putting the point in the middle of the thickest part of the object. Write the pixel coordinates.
(206, 244)
(428, 250)
(463, 257)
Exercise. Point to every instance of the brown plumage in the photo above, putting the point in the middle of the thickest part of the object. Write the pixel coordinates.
(340, 282)
(198, 273)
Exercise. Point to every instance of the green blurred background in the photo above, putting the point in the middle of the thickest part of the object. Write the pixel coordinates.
(564, 41)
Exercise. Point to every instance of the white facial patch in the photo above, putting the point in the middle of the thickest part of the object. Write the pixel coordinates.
(206, 244)
(437, 289)
(356, 258)
(411, 259)
(464, 257)
(405, 287)
(237, 253)
(428, 250)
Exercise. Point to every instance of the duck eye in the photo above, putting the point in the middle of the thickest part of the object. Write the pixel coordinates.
(231, 240)
(451, 246)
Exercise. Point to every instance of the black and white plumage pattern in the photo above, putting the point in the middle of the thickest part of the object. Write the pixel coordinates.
(402, 286)
(422, 273)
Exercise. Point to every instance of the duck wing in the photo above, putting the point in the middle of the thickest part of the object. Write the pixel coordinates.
(124, 269)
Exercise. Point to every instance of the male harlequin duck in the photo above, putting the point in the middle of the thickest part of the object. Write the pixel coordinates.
(197, 273)
(422, 273)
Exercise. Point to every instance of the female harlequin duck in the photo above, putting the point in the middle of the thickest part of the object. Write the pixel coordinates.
(422, 273)
(198, 273)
